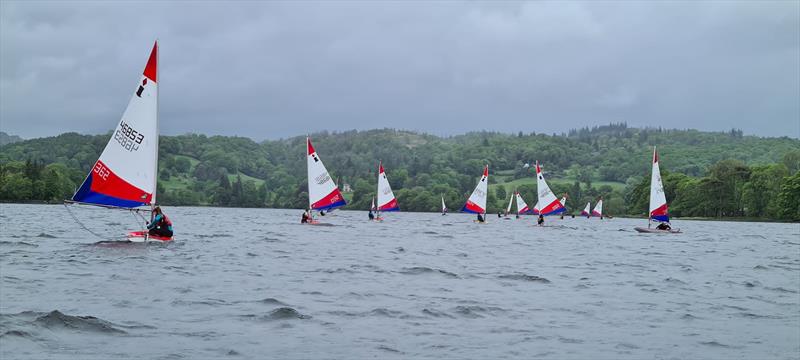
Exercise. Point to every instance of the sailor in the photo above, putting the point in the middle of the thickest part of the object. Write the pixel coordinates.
(371, 215)
(663, 226)
(160, 225)
(480, 218)
(305, 218)
(540, 221)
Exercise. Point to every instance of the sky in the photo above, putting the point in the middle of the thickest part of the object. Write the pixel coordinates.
(269, 70)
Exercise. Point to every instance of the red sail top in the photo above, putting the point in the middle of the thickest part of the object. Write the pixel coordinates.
(310, 147)
(150, 70)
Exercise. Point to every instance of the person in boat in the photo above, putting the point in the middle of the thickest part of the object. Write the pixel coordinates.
(480, 218)
(663, 226)
(573, 216)
(371, 215)
(160, 225)
(540, 221)
(305, 217)
(499, 214)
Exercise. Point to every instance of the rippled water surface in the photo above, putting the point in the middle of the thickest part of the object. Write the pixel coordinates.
(253, 283)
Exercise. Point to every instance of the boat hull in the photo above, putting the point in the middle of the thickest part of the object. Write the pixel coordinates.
(142, 236)
(657, 231)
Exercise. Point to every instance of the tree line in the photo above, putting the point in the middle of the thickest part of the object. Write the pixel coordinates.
(705, 174)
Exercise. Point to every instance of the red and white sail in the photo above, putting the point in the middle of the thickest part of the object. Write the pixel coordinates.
(587, 210)
(323, 194)
(548, 203)
(125, 174)
(522, 207)
(598, 208)
(477, 201)
(658, 201)
(386, 199)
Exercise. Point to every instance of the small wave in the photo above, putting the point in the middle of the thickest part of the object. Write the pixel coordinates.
(271, 301)
(335, 271)
(384, 312)
(436, 313)
(524, 277)
(251, 254)
(781, 289)
(674, 281)
(46, 236)
(271, 239)
(430, 232)
(17, 243)
(209, 302)
(399, 250)
(416, 270)
(204, 236)
(474, 311)
(760, 267)
(285, 313)
(58, 320)
(688, 316)
(716, 344)
(16, 333)
(389, 349)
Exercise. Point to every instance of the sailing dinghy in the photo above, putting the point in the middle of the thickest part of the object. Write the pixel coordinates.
(586, 211)
(444, 207)
(508, 208)
(522, 207)
(323, 194)
(476, 203)
(548, 203)
(125, 174)
(598, 209)
(386, 199)
(658, 202)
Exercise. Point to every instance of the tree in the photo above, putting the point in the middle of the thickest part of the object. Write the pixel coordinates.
(789, 198)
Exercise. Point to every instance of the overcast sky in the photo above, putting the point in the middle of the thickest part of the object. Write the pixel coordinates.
(267, 70)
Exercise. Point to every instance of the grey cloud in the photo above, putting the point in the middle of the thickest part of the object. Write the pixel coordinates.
(274, 69)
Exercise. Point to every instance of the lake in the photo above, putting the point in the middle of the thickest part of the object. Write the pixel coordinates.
(254, 283)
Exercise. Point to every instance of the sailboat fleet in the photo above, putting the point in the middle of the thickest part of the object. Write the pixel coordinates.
(125, 176)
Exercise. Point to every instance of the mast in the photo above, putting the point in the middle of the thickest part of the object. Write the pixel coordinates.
(378, 191)
(158, 131)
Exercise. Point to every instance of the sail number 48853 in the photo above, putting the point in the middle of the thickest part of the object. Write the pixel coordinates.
(128, 137)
